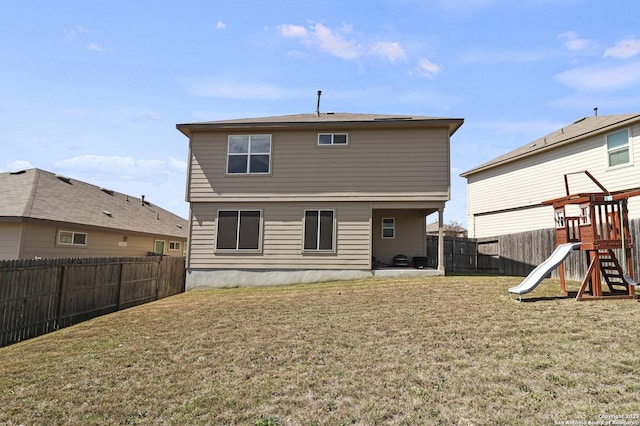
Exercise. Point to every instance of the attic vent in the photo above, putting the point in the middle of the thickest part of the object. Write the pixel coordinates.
(107, 191)
(107, 213)
(579, 120)
(179, 226)
(63, 178)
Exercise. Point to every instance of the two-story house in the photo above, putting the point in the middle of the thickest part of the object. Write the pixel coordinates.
(505, 194)
(311, 197)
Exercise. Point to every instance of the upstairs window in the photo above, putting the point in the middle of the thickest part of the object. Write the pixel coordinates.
(318, 230)
(238, 230)
(249, 154)
(618, 148)
(70, 238)
(332, 139)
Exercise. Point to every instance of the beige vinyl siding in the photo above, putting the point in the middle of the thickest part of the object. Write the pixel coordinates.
(410, 238)
(282, 238)
(515, 221)
(530, 181)
(383, 164)
(10, 236)
(41, 241)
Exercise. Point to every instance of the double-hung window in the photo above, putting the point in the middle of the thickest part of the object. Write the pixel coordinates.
(238, 230)
(618, 148)
(249, 154)
(319, 230)
(332, 139)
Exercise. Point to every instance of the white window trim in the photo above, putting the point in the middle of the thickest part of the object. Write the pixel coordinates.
(73, 234)
(178, 243)
(393, 228)
(239, 250)
(628, 147)
(248, 154)
(333, 230)
(333, 134)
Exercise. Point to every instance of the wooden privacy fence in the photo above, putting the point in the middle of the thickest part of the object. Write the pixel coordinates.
(516, 254)
(40, 296)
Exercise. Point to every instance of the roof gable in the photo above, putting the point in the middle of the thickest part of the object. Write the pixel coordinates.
(40, 195)
(578, 130)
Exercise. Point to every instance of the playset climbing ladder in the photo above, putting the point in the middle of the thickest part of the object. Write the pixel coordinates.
(602, 229)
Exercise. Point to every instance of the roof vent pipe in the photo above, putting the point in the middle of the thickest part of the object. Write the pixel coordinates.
(318, 105)
(142, 200)
(595, 111)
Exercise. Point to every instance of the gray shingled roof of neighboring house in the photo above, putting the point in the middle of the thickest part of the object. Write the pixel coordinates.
(36, 194)
(579, 129)
(327, 119)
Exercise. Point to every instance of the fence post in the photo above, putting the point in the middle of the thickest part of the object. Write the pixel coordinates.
(63, 294)
(120, 286)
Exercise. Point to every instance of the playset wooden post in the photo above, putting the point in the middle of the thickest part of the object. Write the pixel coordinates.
(602, 228)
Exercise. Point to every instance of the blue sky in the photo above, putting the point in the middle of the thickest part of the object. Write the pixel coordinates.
(94, 89)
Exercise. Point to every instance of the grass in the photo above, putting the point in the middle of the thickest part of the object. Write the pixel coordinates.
(445, 350)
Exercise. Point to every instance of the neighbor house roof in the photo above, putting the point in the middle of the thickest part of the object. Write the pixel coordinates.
(578, 130)
(36, 194)
(326, 120)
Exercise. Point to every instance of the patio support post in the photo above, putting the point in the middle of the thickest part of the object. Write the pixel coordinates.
(441, 238)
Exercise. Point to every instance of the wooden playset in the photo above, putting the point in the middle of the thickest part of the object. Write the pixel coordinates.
(602, 229)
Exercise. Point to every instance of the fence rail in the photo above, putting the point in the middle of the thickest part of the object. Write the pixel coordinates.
(40, 296)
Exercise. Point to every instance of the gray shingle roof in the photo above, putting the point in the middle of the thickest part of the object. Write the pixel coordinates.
(40, 195)
(324, 119)
(579, 129)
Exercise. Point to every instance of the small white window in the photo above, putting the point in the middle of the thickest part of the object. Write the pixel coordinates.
(71, 238)
(389, 227)
(333, 139)
(618, 148)
(174, 245)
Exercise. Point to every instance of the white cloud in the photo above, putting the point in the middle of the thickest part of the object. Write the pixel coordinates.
(390, 50)
(293, 31)
(18, 165)
(601, 77)
(220, 25)
(339, 42)
(94, 46)
(426, 68)
(624, 49)
(573, 42)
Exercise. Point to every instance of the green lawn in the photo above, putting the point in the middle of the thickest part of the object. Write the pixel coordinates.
(441, 350)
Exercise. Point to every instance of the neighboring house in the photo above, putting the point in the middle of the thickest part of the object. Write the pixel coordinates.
(311, 197)
(51, 216)
(504, 194)
(453, 230)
